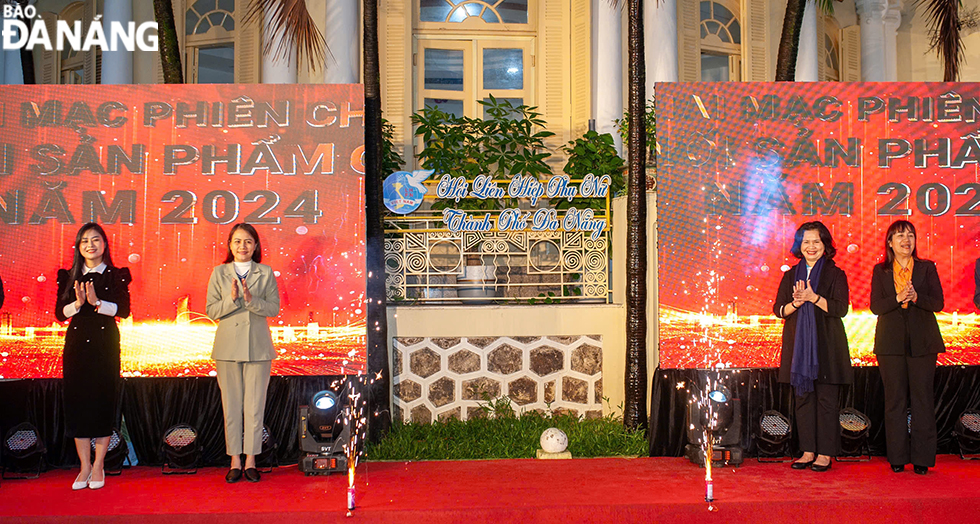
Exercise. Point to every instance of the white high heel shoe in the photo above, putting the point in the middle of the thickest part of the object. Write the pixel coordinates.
(81, 484)
(96, 484)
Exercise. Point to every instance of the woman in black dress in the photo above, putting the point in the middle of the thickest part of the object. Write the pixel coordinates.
(91, 294)
(906, 295)
(813, 298)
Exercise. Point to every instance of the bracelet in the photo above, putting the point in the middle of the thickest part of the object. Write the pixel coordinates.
(817, 300)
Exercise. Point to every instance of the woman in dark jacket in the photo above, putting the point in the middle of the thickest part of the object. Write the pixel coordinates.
(813, 299)
(906, 294)
(93, 293)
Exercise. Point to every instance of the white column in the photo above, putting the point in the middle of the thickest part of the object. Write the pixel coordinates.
(11, 70)
(879, 38)
(660, 41)
(3, 58)
(808, 53)
(892, 19)
(276, 68)
(343, 64)
(117, 66)
(608, 69)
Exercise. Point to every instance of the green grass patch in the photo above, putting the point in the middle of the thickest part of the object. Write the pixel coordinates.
(502, 434)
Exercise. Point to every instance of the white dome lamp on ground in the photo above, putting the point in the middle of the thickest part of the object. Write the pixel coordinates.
(554, 444)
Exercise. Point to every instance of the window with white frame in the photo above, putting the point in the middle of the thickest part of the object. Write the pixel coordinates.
(467, 50)
(209, 30)
(721, 41)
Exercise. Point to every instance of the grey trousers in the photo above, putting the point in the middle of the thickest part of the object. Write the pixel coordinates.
(243, 390)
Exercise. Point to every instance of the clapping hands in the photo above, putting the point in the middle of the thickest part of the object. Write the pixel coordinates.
(85, 292)
(907, 295)
(802, 293)
(246, 294)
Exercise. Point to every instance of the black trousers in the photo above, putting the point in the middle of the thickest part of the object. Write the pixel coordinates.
(818, 420)
(909, 380)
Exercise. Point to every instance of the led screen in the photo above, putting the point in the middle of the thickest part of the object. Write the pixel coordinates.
(742, 165)
(167, 170)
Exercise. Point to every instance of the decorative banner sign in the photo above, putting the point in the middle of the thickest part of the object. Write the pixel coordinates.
(556, 188)
(167, 170)
(742, 165)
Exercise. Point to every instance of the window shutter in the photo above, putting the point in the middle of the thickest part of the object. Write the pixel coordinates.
(850, 54)
(821, 44)
(50, 60)
(688, 41)
(91, 56)
(755, 41)
(581, 82)
(248, 46)
(395, 50)
(555, 75)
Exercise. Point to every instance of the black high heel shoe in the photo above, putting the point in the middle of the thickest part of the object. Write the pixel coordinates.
(898, 468)
(920, 470)
(819, 469)
(802, 465)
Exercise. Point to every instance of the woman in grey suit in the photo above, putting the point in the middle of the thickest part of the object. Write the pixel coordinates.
(242, 295)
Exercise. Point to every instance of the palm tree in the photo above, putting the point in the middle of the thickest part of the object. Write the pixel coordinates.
(789, 41)
(173, 72)
(635, 408)
(944, 32)
(379, 402)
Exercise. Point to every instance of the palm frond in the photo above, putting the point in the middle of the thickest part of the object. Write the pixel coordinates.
(826, 6)
(292, 25)
(944, 34)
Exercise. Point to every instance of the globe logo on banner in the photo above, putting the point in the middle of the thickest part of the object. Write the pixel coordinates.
(404, 191)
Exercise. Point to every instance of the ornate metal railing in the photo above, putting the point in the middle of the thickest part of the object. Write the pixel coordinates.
(426, 263)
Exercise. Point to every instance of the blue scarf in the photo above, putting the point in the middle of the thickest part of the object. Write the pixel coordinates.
(805, 365)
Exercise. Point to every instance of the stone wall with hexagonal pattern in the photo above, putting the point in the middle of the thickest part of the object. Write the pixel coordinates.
(442, 377)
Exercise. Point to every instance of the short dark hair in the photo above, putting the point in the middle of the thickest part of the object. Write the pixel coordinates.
(897, 227)
(248, 228)
(828, 241)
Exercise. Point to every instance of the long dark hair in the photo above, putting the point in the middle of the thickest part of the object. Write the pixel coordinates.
(257, 254)
(898, 226)
(78, 261)
(829, 249)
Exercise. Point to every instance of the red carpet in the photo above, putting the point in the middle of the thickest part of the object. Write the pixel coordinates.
(580, 490)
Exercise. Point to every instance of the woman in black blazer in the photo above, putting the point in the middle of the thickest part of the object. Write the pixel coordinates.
(906, 294)
(813, 299)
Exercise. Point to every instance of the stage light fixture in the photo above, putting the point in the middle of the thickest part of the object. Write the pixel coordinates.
(967, 431)
(323, 434)
(775, 431)
(23, 452)
(182, 449)
(720, 412)
(267, 459)
(854, 429)
(116, 455)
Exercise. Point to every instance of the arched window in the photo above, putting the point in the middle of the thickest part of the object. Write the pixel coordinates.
(830, 54)
(721, 41)
(209, 29)
(72, 60)
(490, 52)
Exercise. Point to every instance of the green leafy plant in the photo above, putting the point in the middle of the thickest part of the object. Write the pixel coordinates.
(507, 436)
(391, 161)
(650, 121)
(594, 154)
(508, 141)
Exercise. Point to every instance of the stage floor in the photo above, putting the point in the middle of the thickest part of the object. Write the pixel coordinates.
(580, 490)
